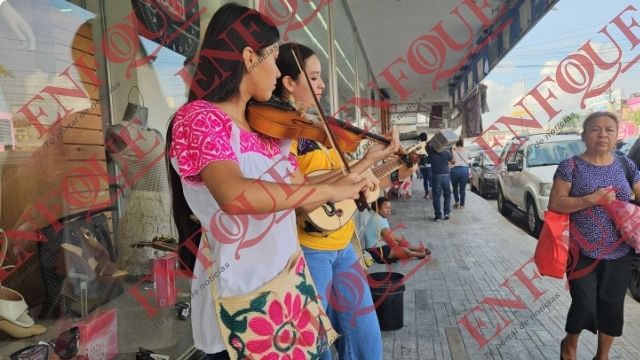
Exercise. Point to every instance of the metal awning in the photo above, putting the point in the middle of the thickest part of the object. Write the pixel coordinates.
(437, 51)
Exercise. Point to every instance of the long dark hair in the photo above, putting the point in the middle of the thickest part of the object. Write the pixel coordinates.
(219, 71)
(287, 64)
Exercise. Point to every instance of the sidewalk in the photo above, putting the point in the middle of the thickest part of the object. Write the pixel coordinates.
(473, 254)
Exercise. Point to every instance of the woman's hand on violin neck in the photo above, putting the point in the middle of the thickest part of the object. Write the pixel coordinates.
(378, 152)
(349, 187)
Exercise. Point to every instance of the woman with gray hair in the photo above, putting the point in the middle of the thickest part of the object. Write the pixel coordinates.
(600, 275)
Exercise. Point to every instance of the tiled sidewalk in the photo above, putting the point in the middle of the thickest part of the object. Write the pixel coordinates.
(473, 254)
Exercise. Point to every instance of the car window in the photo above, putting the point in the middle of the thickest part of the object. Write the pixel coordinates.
(519, 155)
(487, 161)
(513, 147)
(473, 150)
(634, 152)
(478, 159)
(554, 152)
(503, 153)
(627, 145)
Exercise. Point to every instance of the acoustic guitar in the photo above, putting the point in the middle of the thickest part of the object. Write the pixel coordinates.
(332, 216)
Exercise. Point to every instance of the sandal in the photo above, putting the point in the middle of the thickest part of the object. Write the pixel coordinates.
(159, 243)
(14, 311)
(105, 271)
(99, 251)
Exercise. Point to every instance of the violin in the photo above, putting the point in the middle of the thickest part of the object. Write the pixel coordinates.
(283, 120)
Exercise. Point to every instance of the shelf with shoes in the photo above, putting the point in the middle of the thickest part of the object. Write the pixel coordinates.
(84, 264)
(165, 332)
(14, 311)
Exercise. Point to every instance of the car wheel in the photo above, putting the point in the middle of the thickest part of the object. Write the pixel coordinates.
(534, 224)
(502, 207)
(634, 285)
(480, 188)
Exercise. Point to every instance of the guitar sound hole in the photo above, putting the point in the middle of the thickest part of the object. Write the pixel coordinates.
(330, 209)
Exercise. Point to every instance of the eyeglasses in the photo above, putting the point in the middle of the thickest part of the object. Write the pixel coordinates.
(65, 346)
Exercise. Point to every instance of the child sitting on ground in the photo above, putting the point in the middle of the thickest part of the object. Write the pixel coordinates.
(383, 245)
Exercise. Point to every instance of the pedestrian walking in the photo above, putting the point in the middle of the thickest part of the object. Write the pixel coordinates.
(459, 173)
(581, 184)
(440, 162)
(425, 169)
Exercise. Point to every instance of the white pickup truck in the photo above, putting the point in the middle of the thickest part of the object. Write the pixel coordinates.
(525, 173)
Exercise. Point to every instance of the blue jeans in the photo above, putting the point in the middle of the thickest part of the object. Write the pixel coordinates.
(426, 178)
(459, 178)
(348, 302)
(441, 185)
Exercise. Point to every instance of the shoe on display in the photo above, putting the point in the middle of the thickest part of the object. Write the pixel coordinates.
(14, 311)
(14, 315)
(101, 268)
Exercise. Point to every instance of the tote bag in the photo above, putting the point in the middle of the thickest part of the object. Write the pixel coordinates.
(552, 250)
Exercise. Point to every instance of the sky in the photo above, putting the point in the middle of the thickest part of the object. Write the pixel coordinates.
(561, 32)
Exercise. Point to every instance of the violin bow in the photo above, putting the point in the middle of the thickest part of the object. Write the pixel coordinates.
(361, 203)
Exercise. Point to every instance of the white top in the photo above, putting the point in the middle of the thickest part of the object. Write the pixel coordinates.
(248, 250)
(460, 156)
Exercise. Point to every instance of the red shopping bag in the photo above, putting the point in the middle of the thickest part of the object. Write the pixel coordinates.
(627, 219)
(552, 250)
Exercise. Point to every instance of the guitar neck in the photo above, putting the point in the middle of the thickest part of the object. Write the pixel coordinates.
(386, 168)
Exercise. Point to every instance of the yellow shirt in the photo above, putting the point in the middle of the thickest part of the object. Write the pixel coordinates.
(312, 157)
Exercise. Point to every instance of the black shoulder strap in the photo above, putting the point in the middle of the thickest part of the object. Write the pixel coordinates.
(627, 172)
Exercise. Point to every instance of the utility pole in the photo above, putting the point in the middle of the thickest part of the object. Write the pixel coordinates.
(524, 105)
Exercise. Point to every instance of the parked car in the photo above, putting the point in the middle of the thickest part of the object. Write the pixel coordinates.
(483, 175)
(473, 150)
(627, 144)
(634, 285)
(525, 174)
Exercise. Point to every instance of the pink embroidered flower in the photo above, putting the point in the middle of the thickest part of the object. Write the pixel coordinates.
(235, 342)
(286, 331)
(300, 266)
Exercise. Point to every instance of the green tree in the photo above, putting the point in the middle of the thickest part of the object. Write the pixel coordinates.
(570, 121)
(635, 117)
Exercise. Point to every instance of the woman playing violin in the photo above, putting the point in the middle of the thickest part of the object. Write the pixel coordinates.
(330, 257)
(233, 200)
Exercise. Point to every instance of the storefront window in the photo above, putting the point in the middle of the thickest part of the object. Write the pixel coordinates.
(306, 23)
(363, 90)
(87, 88)
(345, 49)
